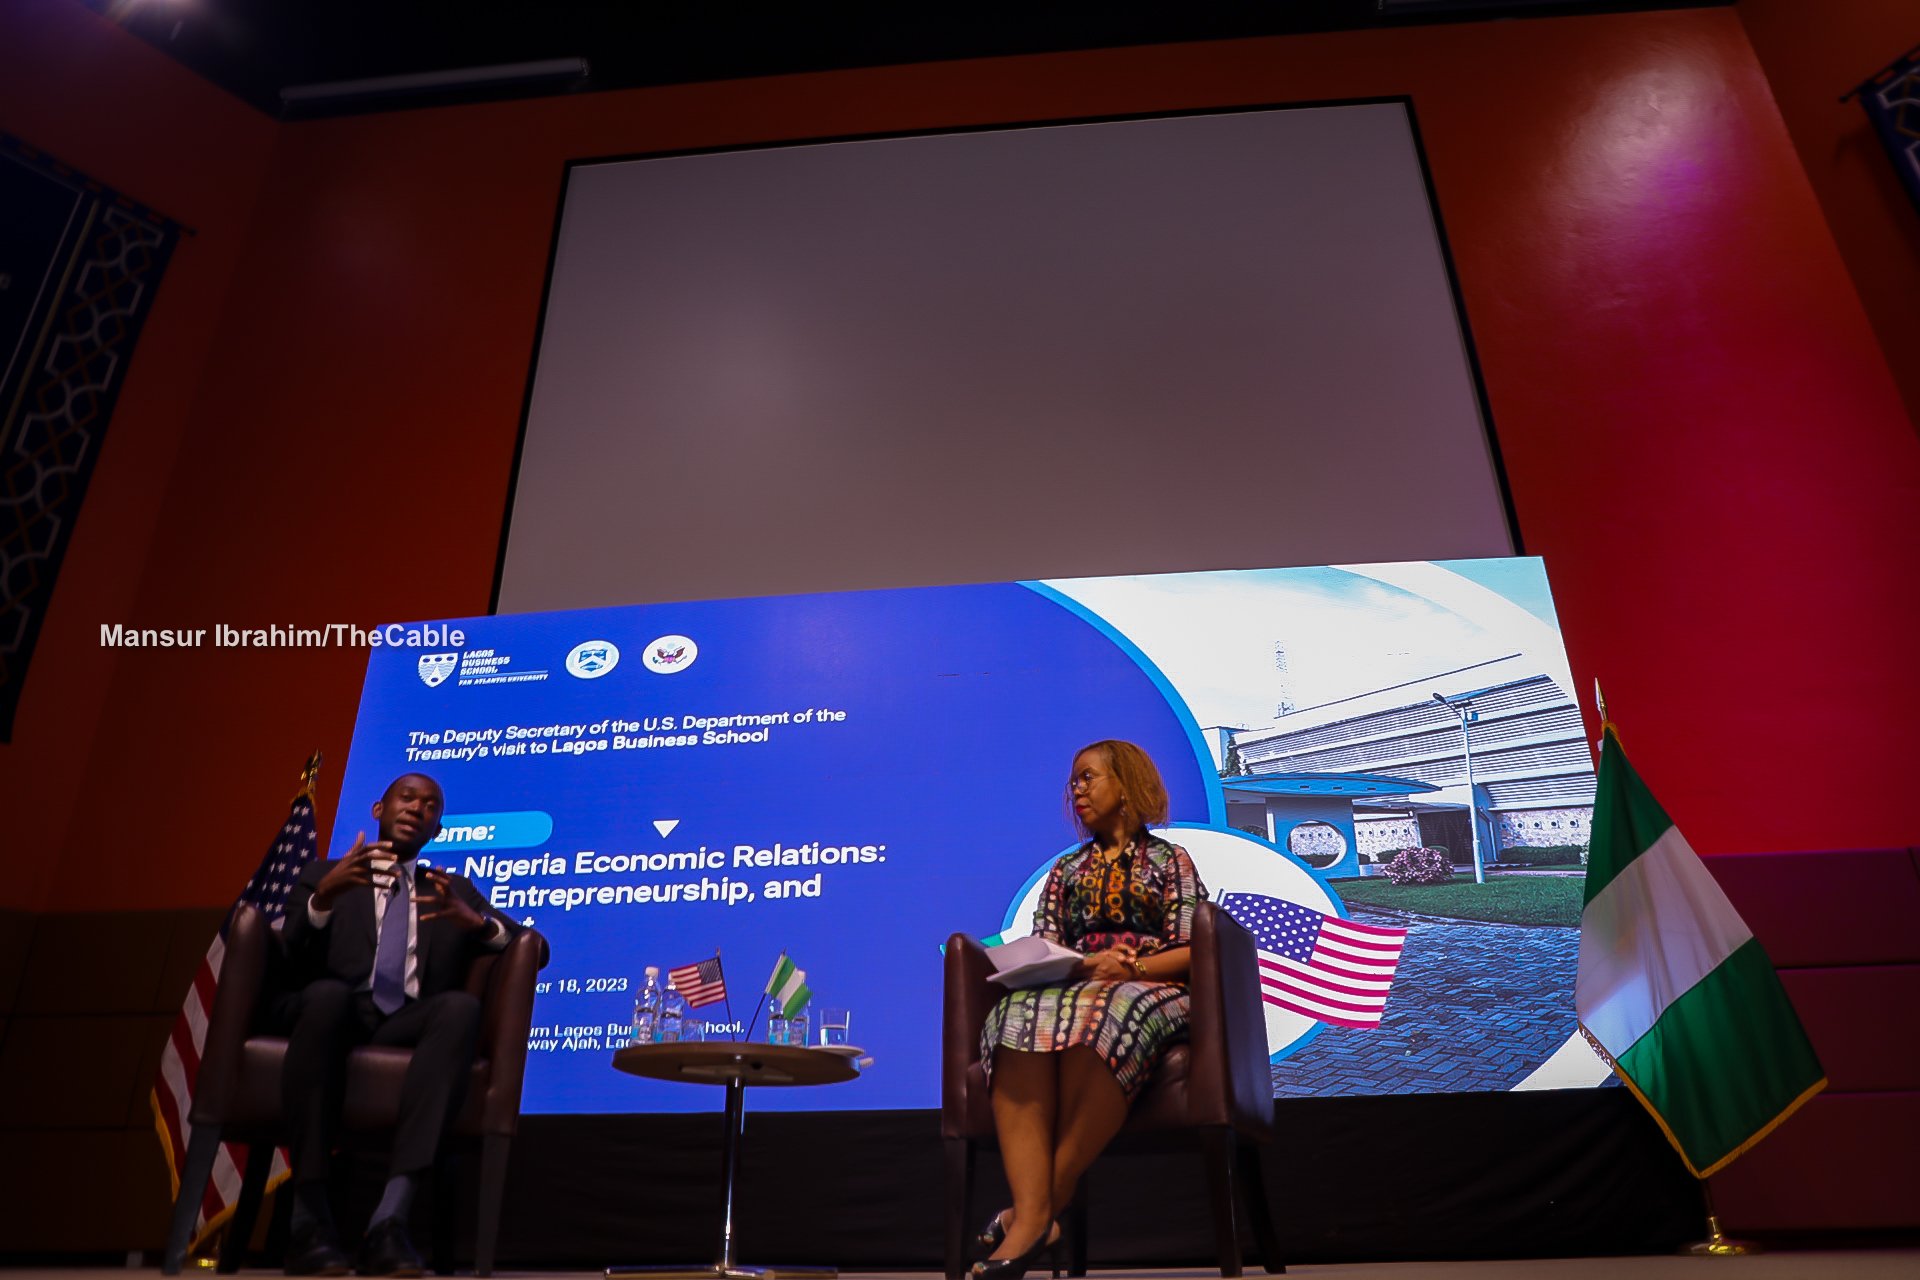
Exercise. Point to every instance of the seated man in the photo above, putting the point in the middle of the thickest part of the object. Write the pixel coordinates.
(384, 946)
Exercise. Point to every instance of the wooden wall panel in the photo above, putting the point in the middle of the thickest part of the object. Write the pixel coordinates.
(16, 938)
(77, 1072)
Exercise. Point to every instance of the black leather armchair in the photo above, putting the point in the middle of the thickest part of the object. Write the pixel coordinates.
(1217, 1084)
(236, 1095)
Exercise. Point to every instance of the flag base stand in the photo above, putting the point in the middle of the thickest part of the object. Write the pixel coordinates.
(206, 1256)
(1718, 1244)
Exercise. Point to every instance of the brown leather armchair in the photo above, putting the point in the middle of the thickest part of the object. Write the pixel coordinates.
(236, 1097)
(1217, 1084)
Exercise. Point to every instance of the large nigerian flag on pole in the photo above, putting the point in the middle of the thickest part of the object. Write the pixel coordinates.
(1673, 989)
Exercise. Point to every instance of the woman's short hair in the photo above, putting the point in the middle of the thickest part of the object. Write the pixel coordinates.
(1139, 781)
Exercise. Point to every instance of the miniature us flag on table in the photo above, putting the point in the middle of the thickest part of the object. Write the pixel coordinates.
(1319, 965)
(701, 984)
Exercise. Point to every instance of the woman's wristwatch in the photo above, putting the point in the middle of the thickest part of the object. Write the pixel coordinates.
(1139, 970)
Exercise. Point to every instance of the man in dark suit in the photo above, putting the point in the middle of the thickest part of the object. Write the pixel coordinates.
(384, 945)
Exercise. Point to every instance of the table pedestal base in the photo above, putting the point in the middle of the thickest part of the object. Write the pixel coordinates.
(723, 1267)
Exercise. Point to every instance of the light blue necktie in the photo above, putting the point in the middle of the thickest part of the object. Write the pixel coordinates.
(390, 957)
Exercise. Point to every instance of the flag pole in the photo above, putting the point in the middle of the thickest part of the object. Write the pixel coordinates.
(1717, 1244)
(748, 1033)
(724, 994)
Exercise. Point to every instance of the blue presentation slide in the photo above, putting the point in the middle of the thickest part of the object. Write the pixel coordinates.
(848, 779)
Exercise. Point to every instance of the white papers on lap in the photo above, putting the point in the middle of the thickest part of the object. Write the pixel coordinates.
(1031, 962)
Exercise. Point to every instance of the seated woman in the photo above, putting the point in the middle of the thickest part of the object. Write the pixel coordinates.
(1064, 1062)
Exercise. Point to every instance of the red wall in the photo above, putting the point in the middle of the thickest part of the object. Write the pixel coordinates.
(77, 88)
(1812, 54)
(1701, 434)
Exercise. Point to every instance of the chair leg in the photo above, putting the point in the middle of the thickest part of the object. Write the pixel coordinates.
(280, 1229)
(446, 1210)
(959, 1161)
(1075, 1225)
(246, 1210)
(201, 1150)
(1253, 1183)
(493, 1186)
(1218, 1145)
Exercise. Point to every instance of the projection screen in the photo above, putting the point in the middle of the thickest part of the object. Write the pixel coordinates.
(1135, 346)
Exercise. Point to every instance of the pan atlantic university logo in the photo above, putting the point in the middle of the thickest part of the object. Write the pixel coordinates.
(436, 667)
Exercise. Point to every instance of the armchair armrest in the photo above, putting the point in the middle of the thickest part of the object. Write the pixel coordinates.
(243, 971)
(966, 999)
(506, 1016)
(1230, 1079)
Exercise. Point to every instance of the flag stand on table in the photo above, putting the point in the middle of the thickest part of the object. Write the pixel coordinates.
(1674, 992)
(788, 986)
(294, 845)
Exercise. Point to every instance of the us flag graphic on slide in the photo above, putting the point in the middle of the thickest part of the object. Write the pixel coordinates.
(1316, 964)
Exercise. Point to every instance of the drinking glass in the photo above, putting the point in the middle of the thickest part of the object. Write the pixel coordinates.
(833, 1027)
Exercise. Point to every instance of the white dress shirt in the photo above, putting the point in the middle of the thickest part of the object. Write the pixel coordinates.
(381, 892)
(493, 938)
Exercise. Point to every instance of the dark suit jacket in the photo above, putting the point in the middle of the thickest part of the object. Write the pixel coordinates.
(345, 948)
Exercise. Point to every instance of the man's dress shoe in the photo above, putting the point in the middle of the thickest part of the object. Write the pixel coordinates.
(316, 1255)
(387, 1251)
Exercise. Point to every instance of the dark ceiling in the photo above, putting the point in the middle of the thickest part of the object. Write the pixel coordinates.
(255, 49)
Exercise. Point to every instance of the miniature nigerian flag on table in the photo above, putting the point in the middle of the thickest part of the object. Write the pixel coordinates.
(788, 987)
(1673, 989)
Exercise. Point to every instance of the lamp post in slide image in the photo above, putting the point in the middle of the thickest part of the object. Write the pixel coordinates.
(1464, 709)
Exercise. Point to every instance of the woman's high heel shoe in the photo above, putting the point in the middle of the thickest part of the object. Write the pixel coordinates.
(1054, 1242)
(993, 1233)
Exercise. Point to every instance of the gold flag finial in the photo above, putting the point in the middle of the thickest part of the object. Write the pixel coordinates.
(1606, 721)
(309, 775)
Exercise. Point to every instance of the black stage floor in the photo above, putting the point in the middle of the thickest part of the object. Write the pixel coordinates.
(1825, 1264)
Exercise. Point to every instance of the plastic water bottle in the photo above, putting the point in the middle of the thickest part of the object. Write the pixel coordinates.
(797, 1028)
(646, 1009)
(673, 1015)
(776, 1028)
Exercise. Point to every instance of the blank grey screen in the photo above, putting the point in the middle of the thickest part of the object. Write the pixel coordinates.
(1130, 347)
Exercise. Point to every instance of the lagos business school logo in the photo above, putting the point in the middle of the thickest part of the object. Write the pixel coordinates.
(434, 668)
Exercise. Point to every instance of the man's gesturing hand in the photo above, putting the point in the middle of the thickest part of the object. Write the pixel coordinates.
(443, 902)
(355, 869)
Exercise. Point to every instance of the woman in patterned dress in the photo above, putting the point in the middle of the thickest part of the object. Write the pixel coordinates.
(1064, 1062)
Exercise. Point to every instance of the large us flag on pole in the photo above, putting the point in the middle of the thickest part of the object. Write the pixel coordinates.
(295, 845)
(1320, 965)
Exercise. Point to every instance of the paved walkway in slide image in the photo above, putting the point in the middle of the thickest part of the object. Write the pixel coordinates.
(1473, 1007)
